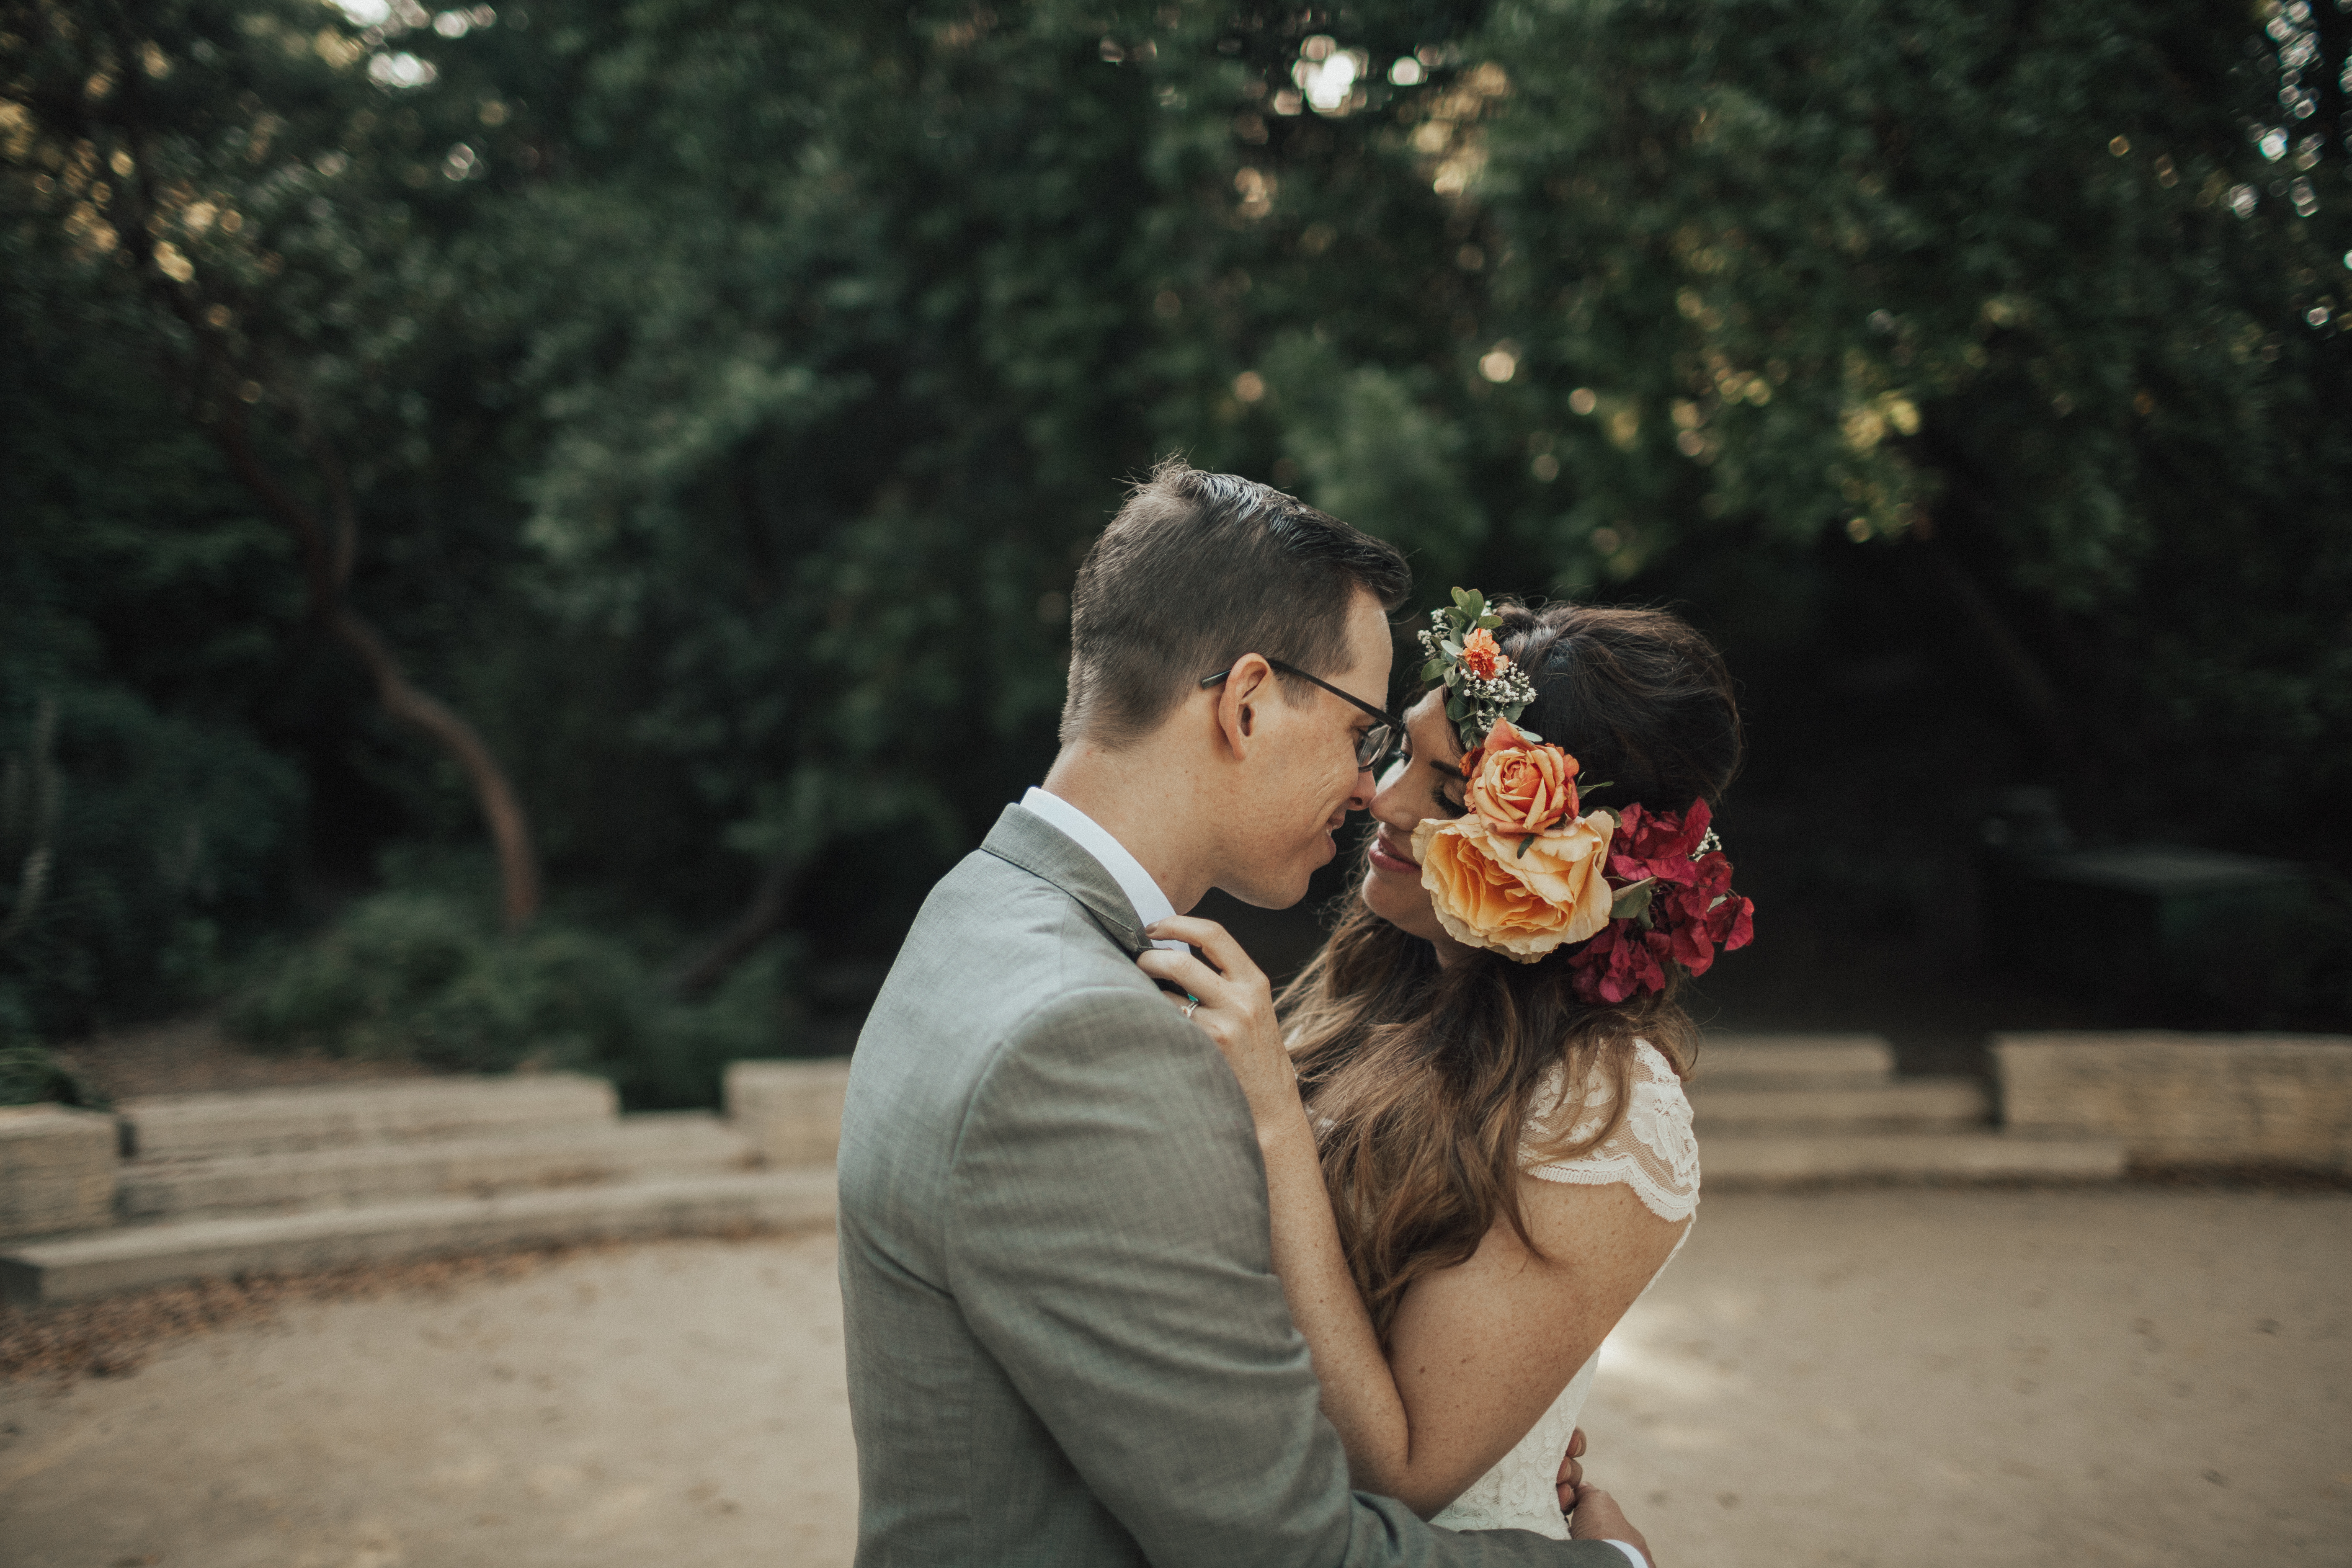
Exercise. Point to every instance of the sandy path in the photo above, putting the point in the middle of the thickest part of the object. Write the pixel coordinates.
(679, 1405)
(2131, 1378)
(2140, 1377)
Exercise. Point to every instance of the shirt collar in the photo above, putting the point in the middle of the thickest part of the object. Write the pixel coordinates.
(1150, 904)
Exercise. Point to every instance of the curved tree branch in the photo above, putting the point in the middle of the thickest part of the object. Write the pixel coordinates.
(770, 902)
(324, 562)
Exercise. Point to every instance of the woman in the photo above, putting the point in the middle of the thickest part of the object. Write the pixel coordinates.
(1456, 1232)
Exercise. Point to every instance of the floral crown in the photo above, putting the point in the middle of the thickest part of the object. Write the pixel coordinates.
(1483, 687)
(1523, 874)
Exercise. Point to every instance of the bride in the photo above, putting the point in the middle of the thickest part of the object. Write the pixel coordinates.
(1477, 1150)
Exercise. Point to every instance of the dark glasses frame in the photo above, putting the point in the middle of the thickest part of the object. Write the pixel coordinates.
(1371, 747)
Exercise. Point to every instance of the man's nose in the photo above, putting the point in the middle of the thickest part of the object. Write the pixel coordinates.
(1367, 786)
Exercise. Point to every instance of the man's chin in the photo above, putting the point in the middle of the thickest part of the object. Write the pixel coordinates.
(1279, 890)
(1263, 896)
(1274, 893)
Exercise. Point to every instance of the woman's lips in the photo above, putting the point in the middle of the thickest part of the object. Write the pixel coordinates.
(1388, 856)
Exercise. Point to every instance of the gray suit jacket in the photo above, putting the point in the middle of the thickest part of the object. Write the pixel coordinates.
(1067, 1342)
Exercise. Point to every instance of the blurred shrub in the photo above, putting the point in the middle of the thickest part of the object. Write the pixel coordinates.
(29, 1072)
(425, 975)
(134, 843)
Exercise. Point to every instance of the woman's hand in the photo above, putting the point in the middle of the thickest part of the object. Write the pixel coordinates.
(1234, 1005)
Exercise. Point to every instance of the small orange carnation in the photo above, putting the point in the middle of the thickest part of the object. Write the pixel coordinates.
(1482, 654)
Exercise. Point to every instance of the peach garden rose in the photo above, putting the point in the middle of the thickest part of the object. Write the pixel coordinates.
(1518, 785)
(1488, 894)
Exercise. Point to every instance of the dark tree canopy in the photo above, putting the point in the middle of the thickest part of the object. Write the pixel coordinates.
(704, 404)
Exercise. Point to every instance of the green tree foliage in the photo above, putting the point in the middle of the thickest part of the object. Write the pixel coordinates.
(2044, 296)
(712, 400)
(145, 826)
(223, 171)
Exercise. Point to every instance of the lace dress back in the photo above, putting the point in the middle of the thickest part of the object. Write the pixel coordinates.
(1654, 1153)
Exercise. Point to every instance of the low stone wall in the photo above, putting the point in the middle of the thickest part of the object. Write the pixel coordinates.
(791, 1111)
(2186, 1099)
(57, 1169)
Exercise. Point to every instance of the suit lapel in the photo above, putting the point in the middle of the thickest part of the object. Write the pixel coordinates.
(1023, 838)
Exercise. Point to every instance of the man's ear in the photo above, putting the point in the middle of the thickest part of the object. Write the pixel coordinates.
(1242, 696)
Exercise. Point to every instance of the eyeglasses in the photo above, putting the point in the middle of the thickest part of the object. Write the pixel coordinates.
(1372, 746)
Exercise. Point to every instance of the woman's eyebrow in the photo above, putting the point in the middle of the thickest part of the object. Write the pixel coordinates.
(1448, 769)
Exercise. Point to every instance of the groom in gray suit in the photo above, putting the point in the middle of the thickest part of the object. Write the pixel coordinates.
(1066, 1342)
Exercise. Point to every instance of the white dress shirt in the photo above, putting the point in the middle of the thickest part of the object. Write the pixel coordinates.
(1152, 906)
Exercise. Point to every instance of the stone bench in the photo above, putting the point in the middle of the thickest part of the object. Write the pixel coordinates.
(789, 1110)
(2184, 1100)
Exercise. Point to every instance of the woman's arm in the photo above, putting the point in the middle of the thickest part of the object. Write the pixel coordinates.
(1478, 1350)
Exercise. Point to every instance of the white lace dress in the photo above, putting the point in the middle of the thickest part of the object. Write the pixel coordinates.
(1652, 1151)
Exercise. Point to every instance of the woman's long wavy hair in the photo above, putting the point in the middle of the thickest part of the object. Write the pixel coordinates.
(1421, 1079)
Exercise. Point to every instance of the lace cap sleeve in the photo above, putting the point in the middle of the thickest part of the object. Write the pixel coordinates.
(1653, 1150)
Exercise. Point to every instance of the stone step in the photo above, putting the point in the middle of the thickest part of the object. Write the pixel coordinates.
(1911, 1105)
(415, 1111)
(1795, 1061)
(57, 1169)
(663, 1144)
(143, 1255)
(1738, 1161)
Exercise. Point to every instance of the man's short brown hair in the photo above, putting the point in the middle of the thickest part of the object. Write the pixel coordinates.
(1194, 572)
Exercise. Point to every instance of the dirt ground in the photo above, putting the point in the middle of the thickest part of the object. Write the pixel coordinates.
(2122, 1378)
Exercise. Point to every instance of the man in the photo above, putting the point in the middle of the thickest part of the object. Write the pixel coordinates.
(1067, 1342)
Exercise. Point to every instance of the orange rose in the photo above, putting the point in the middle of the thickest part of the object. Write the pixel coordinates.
(1483, 654)
(1490, 894)
(1518, 785)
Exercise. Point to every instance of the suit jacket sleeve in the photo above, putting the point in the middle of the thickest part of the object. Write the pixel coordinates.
(1108, 1243)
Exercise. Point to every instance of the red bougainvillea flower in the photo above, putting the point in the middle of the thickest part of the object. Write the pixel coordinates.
(1693, 913)
(1482, 654)
(1620, 962)
(1658, 843)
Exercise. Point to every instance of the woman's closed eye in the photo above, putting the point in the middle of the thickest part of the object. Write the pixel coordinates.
(1451, 790)
(1443, 779)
